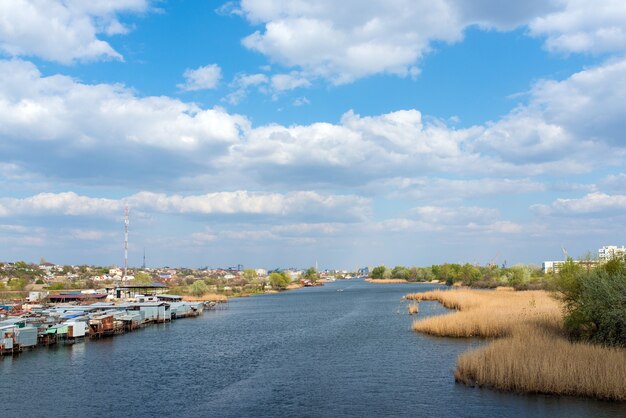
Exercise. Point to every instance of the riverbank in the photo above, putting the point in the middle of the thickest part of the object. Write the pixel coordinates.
(531, 354)
(397, 281)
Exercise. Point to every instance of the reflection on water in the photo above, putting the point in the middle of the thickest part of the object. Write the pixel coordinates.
(345, 349)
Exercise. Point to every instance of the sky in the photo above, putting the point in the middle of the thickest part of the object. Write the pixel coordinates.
(289, 133)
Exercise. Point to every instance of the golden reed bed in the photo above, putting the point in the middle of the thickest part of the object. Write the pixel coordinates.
(531, 354)
(214, 297)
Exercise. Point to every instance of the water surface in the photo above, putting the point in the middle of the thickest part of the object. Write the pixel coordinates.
(345, 349)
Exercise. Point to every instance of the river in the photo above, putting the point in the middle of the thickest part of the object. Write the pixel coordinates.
(345, 349)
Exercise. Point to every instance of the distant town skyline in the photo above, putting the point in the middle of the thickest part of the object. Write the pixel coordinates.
(275, 134)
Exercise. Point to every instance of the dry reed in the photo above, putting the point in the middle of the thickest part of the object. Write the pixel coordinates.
(532, 355)
(414, 308)
(213, 297)
(484, 313)
(537, 360)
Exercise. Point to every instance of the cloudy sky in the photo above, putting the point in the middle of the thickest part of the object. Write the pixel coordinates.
(281, 133)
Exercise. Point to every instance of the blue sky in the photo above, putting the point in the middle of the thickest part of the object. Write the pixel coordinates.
(270, 133)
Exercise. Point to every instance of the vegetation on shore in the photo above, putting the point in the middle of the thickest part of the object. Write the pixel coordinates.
(532, 353)
(594, 302)
(520, 277)
(386, 281)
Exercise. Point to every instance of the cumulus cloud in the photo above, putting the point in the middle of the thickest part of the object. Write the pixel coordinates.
(90, 234)
(456, 215)
(583, 26)
(228, 203)
(202, 78)
(577, 122)
(453, 189)
(615, 182)
(347, 40)
(394, 141)
(593, 203)
(242, 83)
(273, 85)
(352, 39)
(86, 129)
(63, 31)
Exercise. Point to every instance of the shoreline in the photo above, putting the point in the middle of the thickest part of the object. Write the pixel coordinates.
(398, 281)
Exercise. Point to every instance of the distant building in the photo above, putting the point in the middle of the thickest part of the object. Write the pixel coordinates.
(555, 266)
(609, 252)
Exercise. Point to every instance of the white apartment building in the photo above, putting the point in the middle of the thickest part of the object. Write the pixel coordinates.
(609, 252)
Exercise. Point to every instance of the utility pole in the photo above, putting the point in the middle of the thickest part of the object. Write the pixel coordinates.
(125, 242)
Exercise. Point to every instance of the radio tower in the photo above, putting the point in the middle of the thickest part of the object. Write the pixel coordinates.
(125, 241)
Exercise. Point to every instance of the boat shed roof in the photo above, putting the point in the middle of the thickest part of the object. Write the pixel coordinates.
(153, 285)
(170, 297)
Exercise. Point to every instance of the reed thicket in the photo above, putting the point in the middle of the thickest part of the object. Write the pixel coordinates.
(414, 308)
(531, 354)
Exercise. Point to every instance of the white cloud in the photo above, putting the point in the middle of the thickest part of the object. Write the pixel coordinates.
(568, 126)
(351, 39)
(203, 237)
(202, 78)
(592, 203)
(453, 189)
(393, 141)
(615, 182)
(301, 101)
(90, 234)
(455, 215)
(498, 227)
(67, 203)
(63, 31)
(284, 82)
(106, 119)
(577, 122)
(584, 26)
(230, 203)
(273, 85)
(242, 83)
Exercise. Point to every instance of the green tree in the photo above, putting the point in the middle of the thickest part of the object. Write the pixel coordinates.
(400, 272)
(250, 275)
(198, 288)
(279, 280)
(378, 272)
(594, 301)
(310, 274)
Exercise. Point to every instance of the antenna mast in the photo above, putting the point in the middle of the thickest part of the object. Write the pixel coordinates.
(125, 241)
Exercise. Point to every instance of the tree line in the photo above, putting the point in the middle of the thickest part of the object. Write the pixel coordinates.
(518, 276)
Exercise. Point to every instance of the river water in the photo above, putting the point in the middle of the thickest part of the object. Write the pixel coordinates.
(345, 349)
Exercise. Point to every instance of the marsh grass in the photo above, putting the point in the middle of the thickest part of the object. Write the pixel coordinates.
(213, 297)
(414, 308)
(484, 313)
(531, 353)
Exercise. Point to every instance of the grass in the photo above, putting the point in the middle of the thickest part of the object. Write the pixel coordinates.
(414, 308)
(531, 354)
(213, 297)
(383, 281)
